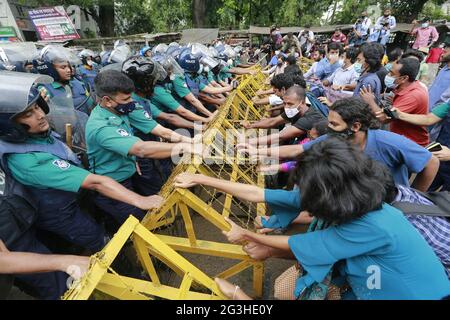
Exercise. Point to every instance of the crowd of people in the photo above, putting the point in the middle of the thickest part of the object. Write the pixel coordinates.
(364, 135)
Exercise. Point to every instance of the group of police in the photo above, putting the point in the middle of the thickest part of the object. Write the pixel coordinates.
(120, 107)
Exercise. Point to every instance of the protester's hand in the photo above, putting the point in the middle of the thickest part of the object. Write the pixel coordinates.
(259, 93)
(415, 22)
(257, 251)
(337, 88)
(382, 117)
(269, 169)
(443, 155)
(3, 247)
(325, 101)
(237, 234)
(367, 95)
(246, 124)
(185, 181)
(44, 94)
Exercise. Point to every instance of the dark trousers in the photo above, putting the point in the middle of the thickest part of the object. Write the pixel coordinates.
(47, 286)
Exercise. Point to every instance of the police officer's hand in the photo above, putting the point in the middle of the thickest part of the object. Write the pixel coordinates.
(3, 247)
(186, 181)
(151, 202)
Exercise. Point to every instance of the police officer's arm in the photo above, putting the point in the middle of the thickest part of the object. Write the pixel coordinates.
(185, 113)
(29, 263)
(158, 150)
(197, 104)
(170, 135)
(418, 119)
(114, 190)
(213, 90)
(268, 123)
(425, 178)
(175, 120)
(214, 100)
(242, 191)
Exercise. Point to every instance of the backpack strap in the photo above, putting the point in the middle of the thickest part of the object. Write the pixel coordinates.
(420, 209)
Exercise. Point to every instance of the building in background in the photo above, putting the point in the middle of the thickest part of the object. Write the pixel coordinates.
(15, 23)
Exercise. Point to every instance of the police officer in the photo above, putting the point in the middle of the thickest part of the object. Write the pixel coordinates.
(165, 98)
(46, 172)
(154, 173)
(193, 69)
(112, 145)
(182, 92)
(89, 68)
(56, 62)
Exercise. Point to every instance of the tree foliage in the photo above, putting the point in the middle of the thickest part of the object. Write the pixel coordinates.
(138, 16)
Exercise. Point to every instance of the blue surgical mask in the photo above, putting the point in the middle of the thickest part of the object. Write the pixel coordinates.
(389, 66)
(390, 82)
(358, 67)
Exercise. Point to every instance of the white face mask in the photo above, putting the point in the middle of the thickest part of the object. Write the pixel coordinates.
(172, 77)
(207, 69)
(425, 25)
(291, 112)
(90, 63)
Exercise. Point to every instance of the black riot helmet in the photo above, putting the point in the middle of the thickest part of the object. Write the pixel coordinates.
(18, 92)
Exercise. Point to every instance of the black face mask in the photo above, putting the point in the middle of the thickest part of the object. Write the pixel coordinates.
(346, 134)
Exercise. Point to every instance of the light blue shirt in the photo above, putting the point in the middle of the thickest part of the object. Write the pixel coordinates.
(343, 77)
(324, 69)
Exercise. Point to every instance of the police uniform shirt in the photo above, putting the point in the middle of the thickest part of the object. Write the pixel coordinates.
(155, 111)
(163, 98)
(180, 87)
(46, 171)
(109, 138)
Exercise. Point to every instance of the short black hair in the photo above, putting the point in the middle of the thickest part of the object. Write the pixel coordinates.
(395, 54)
(297, 91)
(373, 54)
(337, 182)
(291, 60)
(410, 67)
(321, 127)
(353, 110)
(298, 79)
(335, 46)
(282, 81)
(112, 82)
(352, 54)
(415, 54)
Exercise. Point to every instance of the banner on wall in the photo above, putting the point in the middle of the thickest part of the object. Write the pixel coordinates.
(53, 24)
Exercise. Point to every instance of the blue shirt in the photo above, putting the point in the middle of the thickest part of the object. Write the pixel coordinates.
(380, 36)
(383, 246)
(401, 155)
(366, 80)
(285, 206)
(324, 69)
(274, 61)
(439, 86)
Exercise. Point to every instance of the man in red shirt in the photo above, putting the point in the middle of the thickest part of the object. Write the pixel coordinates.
(434, 61)
(410, 97)
(339, 37)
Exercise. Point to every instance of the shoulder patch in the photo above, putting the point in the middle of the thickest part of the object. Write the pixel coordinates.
(147, 115)
(114, 121)
(123, 132)
(62, 164)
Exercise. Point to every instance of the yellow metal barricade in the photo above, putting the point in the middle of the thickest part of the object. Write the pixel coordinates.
(182, 204)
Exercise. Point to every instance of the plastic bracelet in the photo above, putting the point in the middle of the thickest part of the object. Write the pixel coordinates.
(235, 291)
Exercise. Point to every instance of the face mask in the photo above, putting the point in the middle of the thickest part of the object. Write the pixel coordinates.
(291, 112)
(358, 67)
(389, 67)
(346, 134)
(200, 70)
(207, 69)
(172, 77)
(390, 82)
(126, 109)
(230, 62)
(90, 63)
(425, 25)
